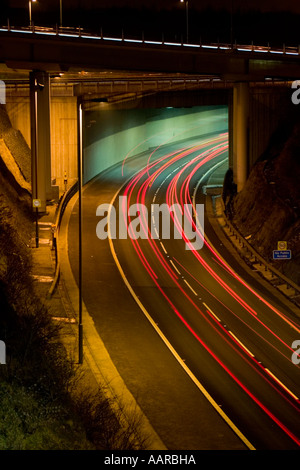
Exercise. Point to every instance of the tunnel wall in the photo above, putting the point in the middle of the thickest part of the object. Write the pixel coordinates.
(269, 105)
(114, 135)
(142, 114)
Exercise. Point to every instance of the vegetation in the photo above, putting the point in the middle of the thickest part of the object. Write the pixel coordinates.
(44, 401)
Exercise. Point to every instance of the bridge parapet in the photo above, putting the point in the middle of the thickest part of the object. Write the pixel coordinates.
(53, 50)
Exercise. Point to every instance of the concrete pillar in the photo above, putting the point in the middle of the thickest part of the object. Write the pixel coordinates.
(240, 133)
(40, 138)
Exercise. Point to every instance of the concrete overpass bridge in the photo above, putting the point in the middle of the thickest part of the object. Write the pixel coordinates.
(46, 71)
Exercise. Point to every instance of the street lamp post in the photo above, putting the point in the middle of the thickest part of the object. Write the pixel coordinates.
(80, 152)
(80, 144)
(60, 13)
(187, 18)
(34, 151)
(231, 24)
(30, 13)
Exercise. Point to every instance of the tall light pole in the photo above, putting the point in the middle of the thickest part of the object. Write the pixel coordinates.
(60, 13)
(80, 155)
(30, 13)
(187, 18)
(34, 151)
(231, 24)
(80, 143)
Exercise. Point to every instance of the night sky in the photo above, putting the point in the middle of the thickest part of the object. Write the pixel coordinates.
(262, 5)
(261, 21)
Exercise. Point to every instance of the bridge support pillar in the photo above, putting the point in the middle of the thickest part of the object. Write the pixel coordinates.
(240, 133)
(40, 138)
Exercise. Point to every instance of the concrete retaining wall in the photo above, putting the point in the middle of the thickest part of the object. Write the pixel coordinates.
(114, 135)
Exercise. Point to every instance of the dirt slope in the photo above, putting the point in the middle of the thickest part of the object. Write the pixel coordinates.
(268, 208)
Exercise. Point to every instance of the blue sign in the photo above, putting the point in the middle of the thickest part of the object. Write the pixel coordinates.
(282, 254)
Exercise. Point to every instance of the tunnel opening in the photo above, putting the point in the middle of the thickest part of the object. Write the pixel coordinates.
(115, 133)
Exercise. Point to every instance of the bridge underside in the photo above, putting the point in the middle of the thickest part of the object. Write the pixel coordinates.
(55, 53)
(255, 109)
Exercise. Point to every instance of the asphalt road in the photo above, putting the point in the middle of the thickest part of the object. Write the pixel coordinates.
(230, 337)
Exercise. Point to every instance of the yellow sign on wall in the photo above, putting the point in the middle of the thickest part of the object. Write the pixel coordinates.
(36, 203)
(282, 245)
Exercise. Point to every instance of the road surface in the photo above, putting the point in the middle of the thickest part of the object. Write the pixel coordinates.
(158, 301)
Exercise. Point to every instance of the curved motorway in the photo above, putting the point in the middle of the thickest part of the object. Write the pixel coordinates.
(232, 341)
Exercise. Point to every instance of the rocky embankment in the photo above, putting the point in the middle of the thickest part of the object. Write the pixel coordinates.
(15, 167)
(267, 210)
(46, 401)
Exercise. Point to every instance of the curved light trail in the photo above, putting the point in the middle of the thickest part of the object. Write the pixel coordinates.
(171, 177)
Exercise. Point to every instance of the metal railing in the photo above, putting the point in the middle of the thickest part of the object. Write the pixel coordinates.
(63, 202)
(78, 32)
(277, 278)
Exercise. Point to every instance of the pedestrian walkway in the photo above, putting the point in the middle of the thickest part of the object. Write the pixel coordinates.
(43, 272)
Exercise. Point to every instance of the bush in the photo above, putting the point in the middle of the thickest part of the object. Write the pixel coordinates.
(38, 407)
(108, 425)
(28, 424)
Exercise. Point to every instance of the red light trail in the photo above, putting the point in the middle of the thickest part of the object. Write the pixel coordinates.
(176, 165)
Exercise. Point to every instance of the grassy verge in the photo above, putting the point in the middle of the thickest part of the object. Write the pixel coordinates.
(44, 403)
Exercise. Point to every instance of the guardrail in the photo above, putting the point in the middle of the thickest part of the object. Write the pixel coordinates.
(67, 196)
(278, 278)
(78, 32)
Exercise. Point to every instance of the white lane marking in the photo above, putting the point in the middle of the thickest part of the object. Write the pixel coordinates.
(47, 224)
(175, 267)
(243, 346)
(162, 245)
(42, 278)
(280, 383)
(210, 310)
(190, 287)
(64, 319)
